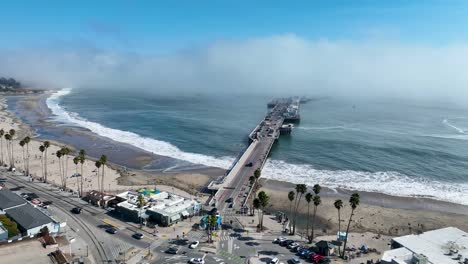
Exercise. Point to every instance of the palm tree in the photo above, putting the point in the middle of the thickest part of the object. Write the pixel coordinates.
(211, 222)
(2, 132)
(300, 190)
(46, 146)
(338, 205)
(263, 199)
(256, 205)
(12, 133)
(65, 152)
(354, 202)
(26, 140)
(251, 180)
(140, 203)
(42, 149)
(59, 156)
(98, 166)
(82, 156)
(22, 143)
(103, 161)
(317, 202)
(308, 198)
(8, 138)
(316, 189)
(76, 160)
(291, 196)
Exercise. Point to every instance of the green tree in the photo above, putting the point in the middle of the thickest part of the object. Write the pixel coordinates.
(308, 198)
(9, 225)
(256, 205)
(338, 205)
(354, 202)
(251, 180)
(141, 201)
(300, 190)
(291, 196)
(211, 224)
(317, 202)
(46, 147)
(264, 200)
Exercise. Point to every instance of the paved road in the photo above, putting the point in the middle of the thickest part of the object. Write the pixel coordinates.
(102, 246)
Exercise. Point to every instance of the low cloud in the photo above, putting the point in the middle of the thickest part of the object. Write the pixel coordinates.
(277, 64)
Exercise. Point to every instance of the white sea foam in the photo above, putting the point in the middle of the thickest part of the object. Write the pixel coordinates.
(149, 144)
(459, 130)
(391, 183)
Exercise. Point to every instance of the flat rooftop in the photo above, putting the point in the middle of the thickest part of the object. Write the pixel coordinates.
(439, 246)
(9, 199)
(28, 217)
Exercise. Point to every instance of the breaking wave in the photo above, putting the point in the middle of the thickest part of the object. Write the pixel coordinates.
(149, 144)
(391, 183)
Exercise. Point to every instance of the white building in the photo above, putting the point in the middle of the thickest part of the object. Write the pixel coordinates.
(442, 246)
(162, 208)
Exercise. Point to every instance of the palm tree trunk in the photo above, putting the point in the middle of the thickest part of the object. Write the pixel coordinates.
(308, 219)
(295, 213)
(81, 180)
(339, 231)
(12, 153)
(1, 149)
(45, 165)
(313, 225)
(65, 173)
(24, 161)
(347, 230)
(27, 159)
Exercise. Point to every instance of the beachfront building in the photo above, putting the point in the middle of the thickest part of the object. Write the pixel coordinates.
(10, 200)
(161, 208)
(31, 220)
(447, 245)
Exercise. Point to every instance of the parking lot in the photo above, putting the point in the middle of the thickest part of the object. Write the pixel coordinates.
(30, 251)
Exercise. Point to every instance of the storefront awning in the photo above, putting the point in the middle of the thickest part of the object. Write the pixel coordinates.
(184, 213)
(175, 217)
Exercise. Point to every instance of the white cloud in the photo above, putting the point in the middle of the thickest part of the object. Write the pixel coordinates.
(274, 64)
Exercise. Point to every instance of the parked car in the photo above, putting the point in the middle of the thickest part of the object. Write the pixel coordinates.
(76, 210)
(293, 245)
(279, 240)
(229, 200)
(250, 164)
(197, 261)
(111, 230)
(172, 250)
(274, 261)
(285, 243)
(304, 253)
(194, 244)
(138, 236)
(294, 261)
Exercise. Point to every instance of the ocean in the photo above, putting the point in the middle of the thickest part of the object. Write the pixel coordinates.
(402, 148)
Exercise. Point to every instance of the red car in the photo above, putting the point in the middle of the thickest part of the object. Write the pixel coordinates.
(316, 258)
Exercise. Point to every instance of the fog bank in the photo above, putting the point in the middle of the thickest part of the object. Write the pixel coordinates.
(270, 64)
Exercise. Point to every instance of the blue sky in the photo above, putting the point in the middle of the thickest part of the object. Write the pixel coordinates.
(161, 26)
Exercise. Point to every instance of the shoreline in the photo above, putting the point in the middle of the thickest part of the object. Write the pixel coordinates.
(194, 180)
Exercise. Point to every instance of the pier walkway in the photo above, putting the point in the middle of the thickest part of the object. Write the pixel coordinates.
(235, 184)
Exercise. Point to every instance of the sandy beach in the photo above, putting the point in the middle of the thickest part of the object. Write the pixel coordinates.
(117, 178)
(377, 213)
